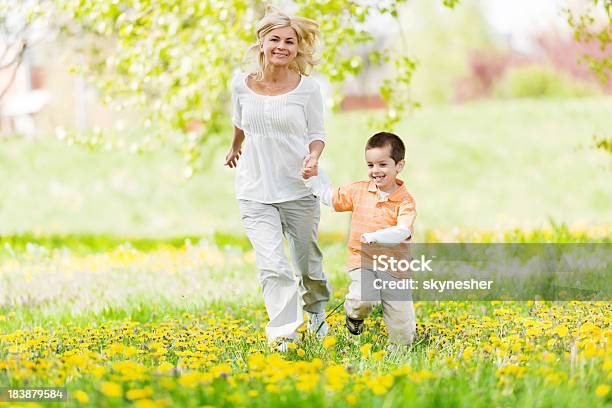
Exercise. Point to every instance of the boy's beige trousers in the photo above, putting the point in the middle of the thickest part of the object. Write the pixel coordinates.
(398, 315)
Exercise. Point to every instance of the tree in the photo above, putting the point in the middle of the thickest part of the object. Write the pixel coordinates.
(588, 28)
(173, 59)
(18, 22)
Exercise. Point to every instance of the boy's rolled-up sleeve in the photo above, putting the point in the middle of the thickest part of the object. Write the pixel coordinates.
(406, 215)
(342, 198)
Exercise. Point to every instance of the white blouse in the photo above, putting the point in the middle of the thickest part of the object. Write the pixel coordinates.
(278, 130)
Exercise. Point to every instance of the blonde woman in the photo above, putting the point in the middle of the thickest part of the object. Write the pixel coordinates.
(278, 131)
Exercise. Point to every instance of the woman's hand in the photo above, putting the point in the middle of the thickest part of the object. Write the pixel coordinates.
(232, 156)
(310, 167)
(231, 159)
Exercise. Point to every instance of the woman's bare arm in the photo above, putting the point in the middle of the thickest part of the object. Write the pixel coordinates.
(231, 159)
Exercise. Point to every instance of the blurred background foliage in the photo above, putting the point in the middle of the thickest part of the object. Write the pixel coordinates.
(170, 59)
(505, 137)
(534, 81)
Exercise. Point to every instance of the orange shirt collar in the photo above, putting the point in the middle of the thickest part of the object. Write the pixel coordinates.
(394, 196)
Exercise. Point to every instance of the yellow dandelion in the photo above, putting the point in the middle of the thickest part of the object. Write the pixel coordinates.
(81, 396)
(130, 351)
(147, 403)
(317, 363)
(301, 353)
(377, 356)
(167, 383)
(561, 331)
(351, 399)
(221, 369)
(235, 399)
(602, 390)
(256, 361)
(365, 350)
(190, 380)
(403, 370)
(139, 393)
(111, 389)
(307, 383)
(329, 342)
(165, 366)
(273, 388)
(377, 389)
(97, 371)
(468, 353)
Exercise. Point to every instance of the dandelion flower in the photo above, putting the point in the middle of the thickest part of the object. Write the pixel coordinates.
(602, 390)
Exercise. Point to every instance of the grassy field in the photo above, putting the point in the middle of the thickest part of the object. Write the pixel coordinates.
(131, 286)
(490, 165)
(182, 325)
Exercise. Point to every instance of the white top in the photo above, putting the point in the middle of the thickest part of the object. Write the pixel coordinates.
(322, 188)
(278, 130)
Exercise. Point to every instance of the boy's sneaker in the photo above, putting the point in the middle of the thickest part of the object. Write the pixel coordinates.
(316, 321)
(354, 326)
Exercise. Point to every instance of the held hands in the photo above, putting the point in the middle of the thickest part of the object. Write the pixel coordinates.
(232, 156)
(310, 167)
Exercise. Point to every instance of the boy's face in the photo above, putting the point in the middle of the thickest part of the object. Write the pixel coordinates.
(382, 169)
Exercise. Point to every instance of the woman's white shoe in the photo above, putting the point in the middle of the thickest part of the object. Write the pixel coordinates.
(317, 324)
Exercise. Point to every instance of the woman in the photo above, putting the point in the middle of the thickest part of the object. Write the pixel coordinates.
(278, 114)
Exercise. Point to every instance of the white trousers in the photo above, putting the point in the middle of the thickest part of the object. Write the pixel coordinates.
(286, 293)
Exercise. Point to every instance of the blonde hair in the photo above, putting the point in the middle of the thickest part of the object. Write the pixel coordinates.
(307, 31)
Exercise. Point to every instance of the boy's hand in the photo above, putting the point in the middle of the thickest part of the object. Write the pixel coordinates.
(231, 159)
(365, 239)
(310, 167)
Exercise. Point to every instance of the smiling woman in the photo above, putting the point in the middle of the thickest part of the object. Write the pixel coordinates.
(278, 114)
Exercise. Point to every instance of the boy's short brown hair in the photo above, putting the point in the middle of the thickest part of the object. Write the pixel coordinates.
(382, 139)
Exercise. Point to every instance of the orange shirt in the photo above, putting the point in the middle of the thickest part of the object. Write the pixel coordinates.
(371, 212)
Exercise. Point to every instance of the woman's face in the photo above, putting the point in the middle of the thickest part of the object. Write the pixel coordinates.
(280, 46)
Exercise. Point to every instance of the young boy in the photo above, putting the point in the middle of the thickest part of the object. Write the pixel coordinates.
(383, 213)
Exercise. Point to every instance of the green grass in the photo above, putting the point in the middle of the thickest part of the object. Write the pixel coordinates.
(488, 165)
(56, 279)
(94, 242)
(164, 294)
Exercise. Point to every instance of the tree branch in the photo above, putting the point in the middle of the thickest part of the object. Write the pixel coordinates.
(11, 80)
(4, 51)
(17, 58)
